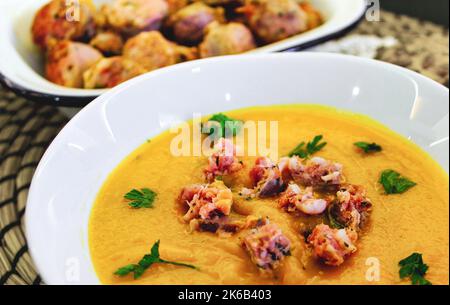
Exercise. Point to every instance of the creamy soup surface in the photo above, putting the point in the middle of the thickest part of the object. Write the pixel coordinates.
(401, 224)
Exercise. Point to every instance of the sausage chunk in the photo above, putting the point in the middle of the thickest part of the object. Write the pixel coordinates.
(190, 22)
(297, 199)
(67, 61)
(208, 205)
(133, 16)
(332, 246)
(152, 51)
(316, 172)
(109, 43)
(267, 246)
(274, 20)
(109, 72)
(226, 39)
(352, 207)
(266, 178)
(51, 24)
(222, 161)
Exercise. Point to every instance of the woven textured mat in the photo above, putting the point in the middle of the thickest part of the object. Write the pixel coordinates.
(422, 46)
(27, 129)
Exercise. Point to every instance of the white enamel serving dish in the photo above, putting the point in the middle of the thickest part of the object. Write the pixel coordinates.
(21, 62)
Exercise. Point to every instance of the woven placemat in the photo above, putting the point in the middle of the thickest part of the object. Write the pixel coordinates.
(422, 46)
(26, 129)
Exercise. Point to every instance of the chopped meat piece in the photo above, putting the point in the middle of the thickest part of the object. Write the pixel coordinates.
(298, 199)
(109, 43)
(267, 246)
(274, 20)
(51, 24)
(266, 177)
(316, 172)
(352, 207)
(207, 202)
(247, 193)
(226, 39)
(222, 161)
(152, 51)
(332, 246)
(190, 22)
(68, 60)
(131, 17)
(111, 71)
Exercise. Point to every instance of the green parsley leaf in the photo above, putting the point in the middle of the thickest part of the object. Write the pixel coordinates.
(394, 183)
(125, 270)
(140, 199)
(311, 148)
(225, 122)
(146, 262)
(368, 147)
(414, 268)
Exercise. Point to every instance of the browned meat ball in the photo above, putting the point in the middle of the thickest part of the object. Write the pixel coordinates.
(189, 23)
(226, 39)
(152, 51)
(51, 24)
(133, 16)
(109, 43)
(110, 72)
(67, 61)
(274, 20)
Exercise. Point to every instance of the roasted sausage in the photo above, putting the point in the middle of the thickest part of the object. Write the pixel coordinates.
(52, 23)
(68, 60)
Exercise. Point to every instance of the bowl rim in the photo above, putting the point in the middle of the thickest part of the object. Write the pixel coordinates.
(77, 101)
(96, 104)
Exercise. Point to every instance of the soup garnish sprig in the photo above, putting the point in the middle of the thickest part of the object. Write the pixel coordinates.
(143, 198)
(368, 147)
(305, 150)
(414, 268)
(394, 183)
(146, 262)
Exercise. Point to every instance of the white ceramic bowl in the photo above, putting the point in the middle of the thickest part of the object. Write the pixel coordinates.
(107, 130)
(21, 62)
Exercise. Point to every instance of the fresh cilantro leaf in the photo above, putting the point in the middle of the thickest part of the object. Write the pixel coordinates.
(394, 183)
(311, 148)
(146, 262)
(368, 147)
(414, 268)
(140, 199)
(225, 123)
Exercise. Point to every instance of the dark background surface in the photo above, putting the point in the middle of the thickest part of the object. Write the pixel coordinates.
(432, 10)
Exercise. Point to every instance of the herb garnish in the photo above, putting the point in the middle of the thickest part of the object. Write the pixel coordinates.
(394, 183)
(368, 147)
(414, 268)
(141, 199)
(311, 148)
(146, 262)
(222, 119)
